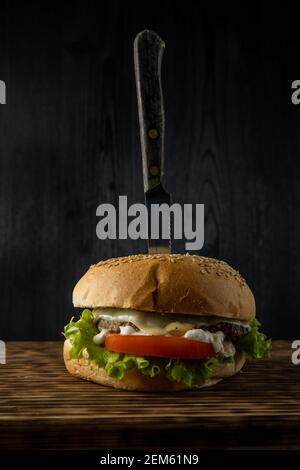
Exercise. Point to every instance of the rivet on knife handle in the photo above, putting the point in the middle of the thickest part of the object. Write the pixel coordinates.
(148, 52)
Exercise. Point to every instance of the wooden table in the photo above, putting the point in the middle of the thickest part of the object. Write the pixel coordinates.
(43, 407)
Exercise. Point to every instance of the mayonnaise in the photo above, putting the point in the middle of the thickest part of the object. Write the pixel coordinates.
(100, 337)
(127, 330)
(217, 340)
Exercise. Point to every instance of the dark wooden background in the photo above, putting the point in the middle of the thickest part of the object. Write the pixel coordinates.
(69, 141)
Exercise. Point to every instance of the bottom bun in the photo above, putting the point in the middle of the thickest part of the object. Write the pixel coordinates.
(135, 380)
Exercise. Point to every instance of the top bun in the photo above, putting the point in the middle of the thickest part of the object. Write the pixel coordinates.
(167, 283)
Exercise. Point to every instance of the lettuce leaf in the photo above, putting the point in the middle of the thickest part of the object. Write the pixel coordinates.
(192, 373)
(254, 343)
(189, 372)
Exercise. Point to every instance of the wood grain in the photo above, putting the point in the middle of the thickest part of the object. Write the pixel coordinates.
(42, 406)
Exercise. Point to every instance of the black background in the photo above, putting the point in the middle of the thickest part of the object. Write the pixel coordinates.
(69, 141)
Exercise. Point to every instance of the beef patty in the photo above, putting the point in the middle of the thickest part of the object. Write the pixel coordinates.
(232, 330)
(114, 326)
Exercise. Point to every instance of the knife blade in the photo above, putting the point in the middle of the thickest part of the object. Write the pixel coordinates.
(148, 52)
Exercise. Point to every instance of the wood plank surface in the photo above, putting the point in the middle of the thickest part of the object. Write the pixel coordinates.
(43, 407)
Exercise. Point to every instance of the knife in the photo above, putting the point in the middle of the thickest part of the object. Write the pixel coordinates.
(148, 52)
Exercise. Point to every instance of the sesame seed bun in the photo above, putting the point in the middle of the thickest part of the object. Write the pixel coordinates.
(167, 283)
(135, 380)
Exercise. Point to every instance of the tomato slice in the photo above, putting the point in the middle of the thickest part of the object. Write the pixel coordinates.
(159, 346)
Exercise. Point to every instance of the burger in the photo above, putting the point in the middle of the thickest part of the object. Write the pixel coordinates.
(162, 323)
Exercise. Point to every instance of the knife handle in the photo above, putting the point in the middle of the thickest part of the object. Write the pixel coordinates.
(148, 52)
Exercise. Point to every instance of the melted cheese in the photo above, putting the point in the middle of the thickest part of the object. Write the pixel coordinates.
(153, 323)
